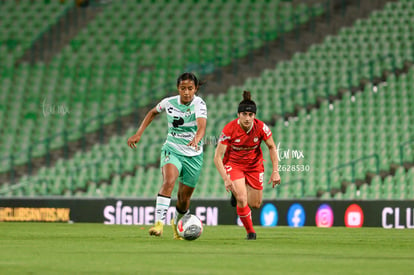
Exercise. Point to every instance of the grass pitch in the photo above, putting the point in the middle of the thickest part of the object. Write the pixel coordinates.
(50, 248)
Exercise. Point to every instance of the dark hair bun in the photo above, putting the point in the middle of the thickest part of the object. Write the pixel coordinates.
(247, 95)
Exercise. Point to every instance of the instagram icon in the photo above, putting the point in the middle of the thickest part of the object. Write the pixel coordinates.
(324, 216)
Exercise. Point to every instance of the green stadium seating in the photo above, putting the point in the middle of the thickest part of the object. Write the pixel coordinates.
(102, 69)
(375, 121)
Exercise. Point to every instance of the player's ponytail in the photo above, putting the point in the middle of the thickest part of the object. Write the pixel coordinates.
(247, 104)
(247, 96)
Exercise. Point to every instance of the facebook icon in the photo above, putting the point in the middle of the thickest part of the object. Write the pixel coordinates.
(296, 215)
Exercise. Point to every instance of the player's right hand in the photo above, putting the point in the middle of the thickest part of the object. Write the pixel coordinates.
(133, 140)
(228, 184)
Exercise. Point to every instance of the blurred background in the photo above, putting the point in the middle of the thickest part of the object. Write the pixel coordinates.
(333, 79)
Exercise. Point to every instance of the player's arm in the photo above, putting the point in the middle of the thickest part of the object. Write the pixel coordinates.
(201, 130)
(144, 124)
(275, 177)
(218, 161)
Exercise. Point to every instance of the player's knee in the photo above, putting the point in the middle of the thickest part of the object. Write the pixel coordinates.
(241, 200)
(168, 182)
(256, 204)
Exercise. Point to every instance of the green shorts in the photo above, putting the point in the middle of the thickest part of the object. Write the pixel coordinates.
(189, 168)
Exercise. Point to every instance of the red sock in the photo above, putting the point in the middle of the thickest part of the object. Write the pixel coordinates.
(246, 217)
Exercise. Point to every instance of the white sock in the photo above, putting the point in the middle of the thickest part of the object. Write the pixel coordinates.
(161, 208)
(179, 215)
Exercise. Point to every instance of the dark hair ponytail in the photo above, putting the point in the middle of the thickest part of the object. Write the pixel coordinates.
(247, 96)
(247, 104)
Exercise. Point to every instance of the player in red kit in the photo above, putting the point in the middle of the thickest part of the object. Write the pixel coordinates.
(242, 165)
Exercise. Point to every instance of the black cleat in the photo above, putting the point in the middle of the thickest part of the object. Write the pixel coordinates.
(233, 200)
(251, 236)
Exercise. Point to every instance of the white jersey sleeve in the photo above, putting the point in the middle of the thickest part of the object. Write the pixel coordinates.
(162, 105)
(200, 108)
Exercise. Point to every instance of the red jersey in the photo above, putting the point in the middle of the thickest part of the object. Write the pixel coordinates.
(243, 148)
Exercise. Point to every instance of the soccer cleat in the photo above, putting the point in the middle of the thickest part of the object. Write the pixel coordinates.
(175, 232)
(157, 229)
(233, 200)
(251, 236)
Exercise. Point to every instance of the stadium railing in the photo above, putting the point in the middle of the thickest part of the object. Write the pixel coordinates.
(371, 64)
(403, 147)
(72, 174)
(292, 24)
(353, 164)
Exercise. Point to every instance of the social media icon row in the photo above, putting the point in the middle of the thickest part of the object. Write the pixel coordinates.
(296, 216)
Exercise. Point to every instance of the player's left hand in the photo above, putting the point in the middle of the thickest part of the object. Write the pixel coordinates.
(274, 179)
(193, 143)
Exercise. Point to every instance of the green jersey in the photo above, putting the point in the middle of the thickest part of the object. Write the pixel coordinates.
(182, 124)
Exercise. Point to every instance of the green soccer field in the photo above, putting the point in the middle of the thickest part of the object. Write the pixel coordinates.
(47, 248)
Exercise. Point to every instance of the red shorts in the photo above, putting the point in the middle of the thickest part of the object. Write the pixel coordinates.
(252, 176)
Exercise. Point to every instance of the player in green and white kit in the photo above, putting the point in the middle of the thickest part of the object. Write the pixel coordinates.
(182, 152)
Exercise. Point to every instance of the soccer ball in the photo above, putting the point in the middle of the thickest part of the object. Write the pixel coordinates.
(190, 227)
